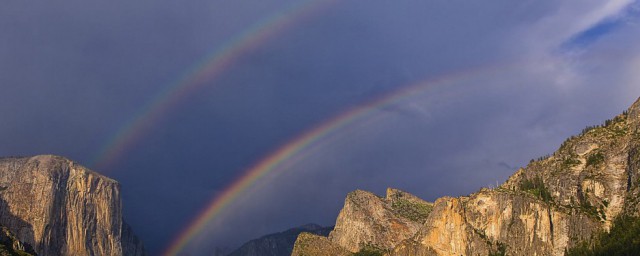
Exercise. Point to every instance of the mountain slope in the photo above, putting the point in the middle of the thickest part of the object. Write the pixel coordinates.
(555, 203)
(278, 244)
(58, 207)
(378, 223)
(310, 244)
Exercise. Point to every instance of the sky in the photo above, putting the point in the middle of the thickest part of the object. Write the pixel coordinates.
(178, 100)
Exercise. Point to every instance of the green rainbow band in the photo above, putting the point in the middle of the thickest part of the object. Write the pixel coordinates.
(197, 77)
(301, 143)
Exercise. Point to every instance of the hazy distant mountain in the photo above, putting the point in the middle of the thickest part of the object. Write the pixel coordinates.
(278, 244)
(566, 202)
(219, 251)
(53, 206)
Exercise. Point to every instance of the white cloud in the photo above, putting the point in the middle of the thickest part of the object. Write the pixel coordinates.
(570, 19)
(608, 9)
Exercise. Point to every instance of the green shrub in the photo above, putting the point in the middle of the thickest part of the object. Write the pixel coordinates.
(589, 209)
(595, 159)
(536, 187)
(411, 210)
(369, 250)
(501, 250)
(570, 162)
(6, 249)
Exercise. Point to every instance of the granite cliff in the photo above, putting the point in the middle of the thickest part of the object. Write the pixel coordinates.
(553, 204)
(369, 223)
(55, 206)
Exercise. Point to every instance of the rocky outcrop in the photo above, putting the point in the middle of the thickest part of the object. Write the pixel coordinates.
(368, 221)
(278, 244)
(491, 221)
(547, 207)
(553, 204)
(314, 245)
(446, 232)
(61, 208)
(131, 244)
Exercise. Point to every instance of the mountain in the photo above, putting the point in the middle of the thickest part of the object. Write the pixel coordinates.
(53, 206)
(278, 244)
(583, 197)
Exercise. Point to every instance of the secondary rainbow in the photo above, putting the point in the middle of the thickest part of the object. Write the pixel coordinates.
(197, 77)
(305, 141)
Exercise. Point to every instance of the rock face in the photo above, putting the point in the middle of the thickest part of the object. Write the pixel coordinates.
(493, 221)
(61, 208)
(279, 244)
(552, 204)
(313, 245)
(131, 244)
(367, 220)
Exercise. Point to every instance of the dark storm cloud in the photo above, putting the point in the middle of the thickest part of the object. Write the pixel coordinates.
(75, 72)
(516, 115)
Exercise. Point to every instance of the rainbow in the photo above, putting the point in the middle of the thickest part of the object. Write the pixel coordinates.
(212, 66)
(297, 146)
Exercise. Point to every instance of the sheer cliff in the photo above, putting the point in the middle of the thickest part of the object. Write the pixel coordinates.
(553, 204)
(58, 207)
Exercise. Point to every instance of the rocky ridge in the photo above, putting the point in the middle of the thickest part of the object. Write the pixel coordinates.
(278, 244)
(554, 203)
(368, 221)
(310, 244)
(58, 207)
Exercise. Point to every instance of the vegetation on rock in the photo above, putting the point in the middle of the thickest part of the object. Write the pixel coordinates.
(536, 187)
(369, 251)
(501, 250)
(595, 159)
(8, 251)
(412, 210)
(11, 246)
(558, 204)
(623, 239)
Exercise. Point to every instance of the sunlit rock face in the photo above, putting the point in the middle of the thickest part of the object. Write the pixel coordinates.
(551, 205)
(309, 244)
(490, 221)
(369, 222)
(61, 208)
(380, 223)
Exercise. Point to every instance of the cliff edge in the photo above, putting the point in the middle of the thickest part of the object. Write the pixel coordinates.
(58, 207)
(552, 205)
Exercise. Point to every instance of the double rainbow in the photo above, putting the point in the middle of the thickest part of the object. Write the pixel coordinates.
(296, 147)
(213, 66)
(201, 75)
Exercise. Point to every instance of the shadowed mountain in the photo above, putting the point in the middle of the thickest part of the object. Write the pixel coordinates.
(9, 242)
(278, 244)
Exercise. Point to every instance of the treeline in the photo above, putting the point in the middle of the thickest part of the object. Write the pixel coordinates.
(623, 239)
(606, 123)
